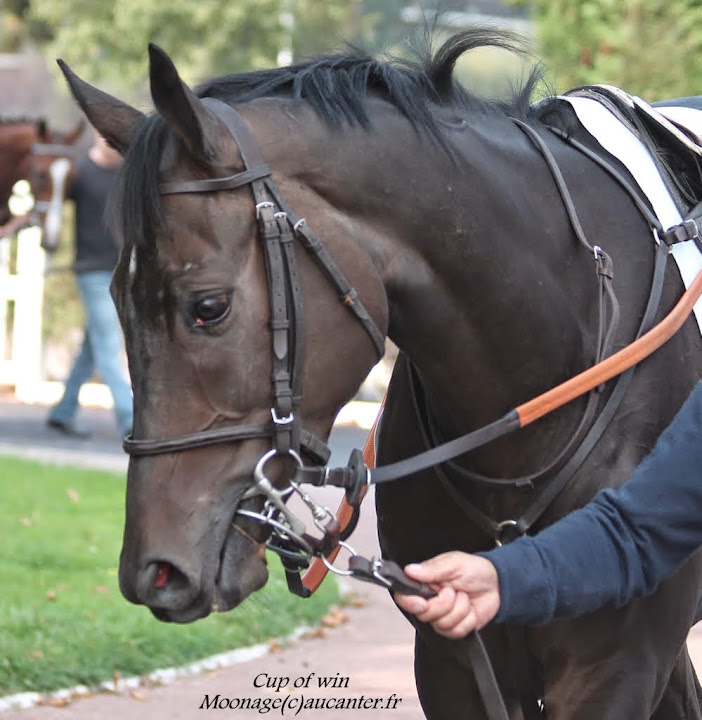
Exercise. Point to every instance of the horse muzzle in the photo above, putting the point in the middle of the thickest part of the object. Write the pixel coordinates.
(185, 565)
(176, 590)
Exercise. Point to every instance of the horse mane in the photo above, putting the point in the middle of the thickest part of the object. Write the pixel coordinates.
(337, 88)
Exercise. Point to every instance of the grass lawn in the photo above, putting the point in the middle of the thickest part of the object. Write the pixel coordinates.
(63, 621)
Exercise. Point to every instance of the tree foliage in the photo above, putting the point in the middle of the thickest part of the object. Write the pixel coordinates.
(105, 40)
(17, 28)
(651, 48)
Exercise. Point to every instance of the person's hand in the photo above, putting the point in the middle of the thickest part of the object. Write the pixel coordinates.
(468, 593)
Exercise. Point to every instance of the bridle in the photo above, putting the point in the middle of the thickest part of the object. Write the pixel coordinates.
(278, 228)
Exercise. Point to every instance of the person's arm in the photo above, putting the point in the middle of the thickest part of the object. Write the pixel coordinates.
(619, 546)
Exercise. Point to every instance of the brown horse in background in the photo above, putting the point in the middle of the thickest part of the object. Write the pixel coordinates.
(28, 148)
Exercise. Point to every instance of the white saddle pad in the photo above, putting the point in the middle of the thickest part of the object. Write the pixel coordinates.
(618, 140)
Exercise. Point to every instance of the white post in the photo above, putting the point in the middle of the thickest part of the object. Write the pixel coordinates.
(5, 294)
(26, 333)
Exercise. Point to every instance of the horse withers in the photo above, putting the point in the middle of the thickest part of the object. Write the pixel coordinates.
(249, 207)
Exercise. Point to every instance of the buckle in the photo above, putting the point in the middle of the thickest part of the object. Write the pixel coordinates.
(693, 230)
(686, 230)
(287, 420)
(265, 205)
(387, 574)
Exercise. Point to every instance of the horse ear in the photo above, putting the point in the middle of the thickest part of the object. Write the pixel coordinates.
(112, 118)
(72, 136)
(181, 108)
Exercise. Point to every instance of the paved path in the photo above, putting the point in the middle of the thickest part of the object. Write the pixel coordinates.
(367, 655)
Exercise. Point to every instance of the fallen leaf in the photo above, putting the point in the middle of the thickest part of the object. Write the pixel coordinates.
(318, 632)
(51, 595)
(73, 495)
(335, 617)
(58, 702)
(138, 695)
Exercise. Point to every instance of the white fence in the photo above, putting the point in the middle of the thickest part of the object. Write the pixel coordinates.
(22, 266)
(21, 297)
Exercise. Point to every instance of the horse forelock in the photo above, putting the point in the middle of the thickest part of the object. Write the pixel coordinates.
(136, 210)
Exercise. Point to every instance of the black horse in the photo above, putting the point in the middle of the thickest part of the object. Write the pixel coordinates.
(442, 210)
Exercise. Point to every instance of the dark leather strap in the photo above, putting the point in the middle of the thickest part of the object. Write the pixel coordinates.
(231, 182)
(453, 448)
(558, 484)
(470, 652)
(316, 449)
(346, 292)
(388, 574)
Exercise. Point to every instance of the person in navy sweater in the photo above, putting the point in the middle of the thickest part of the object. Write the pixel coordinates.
(619, 546)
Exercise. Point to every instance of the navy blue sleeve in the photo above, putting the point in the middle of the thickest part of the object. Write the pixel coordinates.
(619, 546)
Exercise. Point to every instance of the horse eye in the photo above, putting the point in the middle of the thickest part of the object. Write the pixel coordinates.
(211, 309)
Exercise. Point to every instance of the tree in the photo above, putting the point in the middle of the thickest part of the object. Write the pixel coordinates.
(651, 48)
(105, 40)
(16, 29)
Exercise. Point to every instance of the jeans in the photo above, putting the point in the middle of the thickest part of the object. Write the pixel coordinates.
(101, 351)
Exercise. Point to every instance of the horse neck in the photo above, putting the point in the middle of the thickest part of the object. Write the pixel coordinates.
(16, 140)
(471, 276)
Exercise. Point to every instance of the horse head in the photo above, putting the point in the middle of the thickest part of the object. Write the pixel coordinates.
(226, 370)
(52, 157)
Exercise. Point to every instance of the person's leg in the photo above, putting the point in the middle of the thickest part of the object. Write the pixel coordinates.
(105, 337)
(65, 411)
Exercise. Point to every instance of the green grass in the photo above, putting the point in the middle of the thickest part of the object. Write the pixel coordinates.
(63, 621)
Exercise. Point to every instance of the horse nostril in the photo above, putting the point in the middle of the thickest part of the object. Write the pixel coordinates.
(165, 580)
(162, 574)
